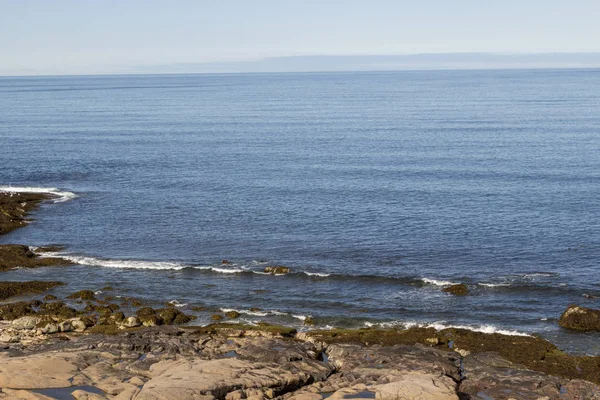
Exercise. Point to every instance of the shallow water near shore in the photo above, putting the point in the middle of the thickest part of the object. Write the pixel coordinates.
(376, 189)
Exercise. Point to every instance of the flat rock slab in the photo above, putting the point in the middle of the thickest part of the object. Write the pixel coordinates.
(38, 371)
(191, 378)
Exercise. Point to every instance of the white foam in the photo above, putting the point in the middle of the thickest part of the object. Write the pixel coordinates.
(177, 303)
(300, 317)
(482, 328)
(437, 282)
(223, 270)
(126, 264)
(539, 274)
(440, 325)
(322, 274)
(60, 195)
(493, 284)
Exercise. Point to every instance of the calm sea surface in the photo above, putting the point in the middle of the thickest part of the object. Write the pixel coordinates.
(376, 189)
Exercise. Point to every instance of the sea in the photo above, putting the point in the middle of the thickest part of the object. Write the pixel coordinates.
(376, 189)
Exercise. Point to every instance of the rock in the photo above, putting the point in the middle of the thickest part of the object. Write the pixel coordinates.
(9, 338)
(417, 385)
(309, 321)
(83, 295)
(19, 256)
(216, 317)
(50, 297)
(78, 325)
(58, 309)
(277, 270)
(489, 376)
(65, 326)
(40, 371)
(580, 319)
(232, 314)
(225, 262)
(10, 289)
(131, 322)
(50, 328)
(136, 303)
(459, 289)
(191, 378)
(11, 311)
(27, 322)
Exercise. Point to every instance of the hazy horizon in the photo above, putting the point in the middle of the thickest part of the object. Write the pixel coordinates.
(359, 63)
(71, 37)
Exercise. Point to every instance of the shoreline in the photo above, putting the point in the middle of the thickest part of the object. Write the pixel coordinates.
(51, 326)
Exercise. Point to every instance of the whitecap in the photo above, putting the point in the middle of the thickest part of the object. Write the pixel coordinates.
(437, 282)
(493, 284)
(60, 196)
(125, 264)
(320, 274)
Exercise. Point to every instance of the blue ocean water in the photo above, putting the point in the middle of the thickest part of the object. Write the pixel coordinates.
(376, 189)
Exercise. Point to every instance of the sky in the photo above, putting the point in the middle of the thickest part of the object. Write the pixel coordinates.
(129, 36)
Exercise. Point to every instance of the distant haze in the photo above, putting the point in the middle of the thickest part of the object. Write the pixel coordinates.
(386, 63)
(73, 37)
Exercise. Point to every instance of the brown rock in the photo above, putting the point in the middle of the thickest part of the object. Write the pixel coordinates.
(277, 270)
(580, 319)
(19, 256)
(83, 295)
(459, 289)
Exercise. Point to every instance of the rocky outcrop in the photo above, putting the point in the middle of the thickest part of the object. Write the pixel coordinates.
(221, 362)
(14, 208)
(488, 376)
(580, 319)
(20, 256)
(460, 289)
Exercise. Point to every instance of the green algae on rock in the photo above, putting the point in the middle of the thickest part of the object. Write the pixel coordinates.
(20, 256)
(14, 208)
(10, 289)
(83, 295)
(532, 352)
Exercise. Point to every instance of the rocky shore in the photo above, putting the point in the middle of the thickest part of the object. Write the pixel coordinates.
(89, 346)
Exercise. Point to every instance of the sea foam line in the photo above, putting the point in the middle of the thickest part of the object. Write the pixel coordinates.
(61, 196)
(437, 282)
(441, 325)
(138, 264)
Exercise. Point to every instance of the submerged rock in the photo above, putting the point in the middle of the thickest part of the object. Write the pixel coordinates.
(10, 289)
(277, 270)
(460, 289)
(580, 319)
(232, 314)
(83, 295)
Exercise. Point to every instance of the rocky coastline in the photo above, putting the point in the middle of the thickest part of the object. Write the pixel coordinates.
(91, 346)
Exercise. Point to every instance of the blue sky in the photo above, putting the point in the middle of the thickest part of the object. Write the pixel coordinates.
(103, 36)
